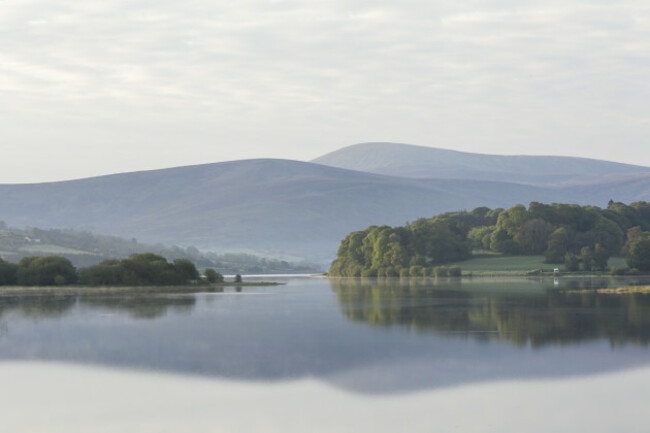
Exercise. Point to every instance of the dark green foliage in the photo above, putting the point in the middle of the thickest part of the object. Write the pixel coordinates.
(416, 247)
(187, 269)
(479, 237)
(639, 257)
(601, 257)
(557, 246)
(213, 276)
(617, 271)
(238, 278)
(7, 273)
(45, 271)
(559, 231)
(587, 258)
(571, 262)
(146, 269)
(441, 271)
(454, 271)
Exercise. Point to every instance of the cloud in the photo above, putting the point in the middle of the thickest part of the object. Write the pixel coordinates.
(297, 79)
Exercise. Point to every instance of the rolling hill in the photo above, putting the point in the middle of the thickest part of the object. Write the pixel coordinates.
(420, 162)
(271, 207)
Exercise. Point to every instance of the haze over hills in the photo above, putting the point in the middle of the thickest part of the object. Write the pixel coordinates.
(421, 162)
(281, 208)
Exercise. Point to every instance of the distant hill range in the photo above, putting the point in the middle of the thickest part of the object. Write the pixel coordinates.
(302, 210)
(421, 162)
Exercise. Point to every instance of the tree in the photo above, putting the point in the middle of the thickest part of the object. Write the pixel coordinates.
(587, 258)
(7, 273)
(639, 256)
(238, 278)
(213, 276)
(185, 270)
(571, 262)
(601, 257)
(634, 234)
(533, 236)
(43, 271)
(557, 246)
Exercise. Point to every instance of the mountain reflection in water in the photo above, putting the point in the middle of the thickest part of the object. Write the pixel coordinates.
(423, 334)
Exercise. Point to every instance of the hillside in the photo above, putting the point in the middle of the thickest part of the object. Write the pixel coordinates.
(421, 162)
(269, 207)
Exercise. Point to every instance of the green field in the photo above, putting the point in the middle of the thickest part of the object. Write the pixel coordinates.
(50, 249)
(495, 264)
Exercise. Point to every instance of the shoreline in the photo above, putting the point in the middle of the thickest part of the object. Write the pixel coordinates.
(99, 290)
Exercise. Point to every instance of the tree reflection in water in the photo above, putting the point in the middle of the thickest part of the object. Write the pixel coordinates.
(520, 311)
(137, 306)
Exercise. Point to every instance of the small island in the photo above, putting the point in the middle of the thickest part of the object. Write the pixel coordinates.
(145, 270)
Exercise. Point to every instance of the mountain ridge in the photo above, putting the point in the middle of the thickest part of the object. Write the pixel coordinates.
(271, 207)
(407, 160)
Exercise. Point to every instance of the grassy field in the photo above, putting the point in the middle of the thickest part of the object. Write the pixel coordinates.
(515, 265)
(50, 249)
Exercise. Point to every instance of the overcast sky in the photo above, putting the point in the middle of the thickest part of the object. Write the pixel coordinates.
(95, 87)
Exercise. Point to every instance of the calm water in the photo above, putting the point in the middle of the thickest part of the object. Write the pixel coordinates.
(488, 355)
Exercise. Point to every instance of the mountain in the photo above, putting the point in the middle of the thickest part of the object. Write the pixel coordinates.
(271, 207)
(420, 162)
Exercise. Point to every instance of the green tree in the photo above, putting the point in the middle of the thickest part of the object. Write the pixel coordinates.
(7, 273)
(601, 257)
(533, 236)
(571, 262)
(557, 246)
(238, 278)
(213, 276)
(639, 256)
(42, 271)
(587, 255)
(633, 235)
(186, 270)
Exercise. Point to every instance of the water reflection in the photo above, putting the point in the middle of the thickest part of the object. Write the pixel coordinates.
(49, 306)
(36, 307)
(423, 334)
(503, 310)
(143, 306)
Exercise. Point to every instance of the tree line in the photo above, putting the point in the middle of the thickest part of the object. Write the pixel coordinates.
(145, 269)
(578, 236)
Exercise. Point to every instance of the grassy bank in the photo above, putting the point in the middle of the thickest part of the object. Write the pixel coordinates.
(496, 265)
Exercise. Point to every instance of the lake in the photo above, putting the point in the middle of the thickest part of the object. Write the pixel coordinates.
(481, 355)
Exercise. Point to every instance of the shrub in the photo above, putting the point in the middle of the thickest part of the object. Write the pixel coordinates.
(213, 276)
(618, 271)
(440, 271)
(454, 271)
(392, 272)
(417, 271)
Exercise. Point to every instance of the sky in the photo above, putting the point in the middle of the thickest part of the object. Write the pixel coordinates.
(98, 87)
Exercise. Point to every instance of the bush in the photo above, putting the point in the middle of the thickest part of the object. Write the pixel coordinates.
(417, 271)
(392, 272)
(213, 276)
(42, 271)
(454, 271)
(617, 271)
(404, 272)
(571, 262)
(440, 271)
